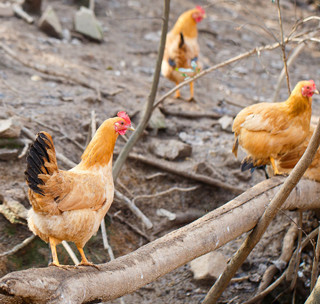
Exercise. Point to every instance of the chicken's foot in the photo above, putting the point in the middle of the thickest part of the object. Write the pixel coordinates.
(84, 261)
(274, 167)
(177, 95)
(53, 243)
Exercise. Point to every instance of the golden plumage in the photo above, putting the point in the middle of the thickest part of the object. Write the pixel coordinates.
(182, 48)
(69, 205)
(287, 162)
(266, 131)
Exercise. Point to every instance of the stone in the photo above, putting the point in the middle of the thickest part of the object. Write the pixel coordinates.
(10, 128)
(170, 149)
(209, 266)
(8, 154)
(32, 6)
(225, 122)
(6, 9)
(13, 210)
(50, 24)
(157, 120)
(85, 23)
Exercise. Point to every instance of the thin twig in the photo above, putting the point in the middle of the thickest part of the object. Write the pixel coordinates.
(164, 193)
(292, 58)
(134, 209)
(70, 252)
(298, 255)
(18, 247)
(286, 254)
(283, 47)
(106, 244)
(314, 273)
(172, 168)
(276, 283)
(151, 98)
(270, 212)
(133, 227)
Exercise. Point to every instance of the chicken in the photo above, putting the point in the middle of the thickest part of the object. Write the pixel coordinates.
(182, 49)
(287, 162)
(70, 205)
(266, 131)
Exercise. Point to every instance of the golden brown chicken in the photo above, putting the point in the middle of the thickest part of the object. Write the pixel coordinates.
(266, 131)
(69, 205)
(182, 49)
(287, 162)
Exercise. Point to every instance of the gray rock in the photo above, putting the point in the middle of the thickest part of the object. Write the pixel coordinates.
(208, 266)
(170, 149)
(226, 122)
(85, 23)
(10, 128)
(157, 120)
(8, 154)
(50, 24)
(6, 9)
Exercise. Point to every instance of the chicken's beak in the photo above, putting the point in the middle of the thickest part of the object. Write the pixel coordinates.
(131, 128)
(316, 92)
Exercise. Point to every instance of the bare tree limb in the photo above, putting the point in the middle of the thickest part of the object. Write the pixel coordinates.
(151, 98)
(172, 168)
(265, 220)
(18, 247)
(128, 273)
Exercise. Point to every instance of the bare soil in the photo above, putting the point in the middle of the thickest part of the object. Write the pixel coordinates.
(123, 66)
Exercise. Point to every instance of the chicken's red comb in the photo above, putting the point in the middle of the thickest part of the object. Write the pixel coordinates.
(125, 116)
(312, 83)
(200, 8)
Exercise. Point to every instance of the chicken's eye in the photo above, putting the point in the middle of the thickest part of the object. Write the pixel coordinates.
(122, 123)
(308, 88)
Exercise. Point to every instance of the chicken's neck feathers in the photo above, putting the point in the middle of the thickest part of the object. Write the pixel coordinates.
(100, 150)
(297, 104)
(186, 25)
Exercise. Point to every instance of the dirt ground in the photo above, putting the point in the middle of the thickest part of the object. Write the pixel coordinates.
(123, 66)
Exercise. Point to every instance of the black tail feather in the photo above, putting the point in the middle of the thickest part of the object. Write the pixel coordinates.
(246, 165)
(36, 158)
(181, 41)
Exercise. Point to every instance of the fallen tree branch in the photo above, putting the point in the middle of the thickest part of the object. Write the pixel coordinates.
(171, 167)
(189, 114)
(271, 211)
(128, 273)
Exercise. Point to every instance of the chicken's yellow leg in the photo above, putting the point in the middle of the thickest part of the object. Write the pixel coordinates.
(191, 91)
(177, 95)
(274, 167)
(53, 243)
(84, 261)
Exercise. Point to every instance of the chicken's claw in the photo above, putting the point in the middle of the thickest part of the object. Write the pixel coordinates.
(88, 264)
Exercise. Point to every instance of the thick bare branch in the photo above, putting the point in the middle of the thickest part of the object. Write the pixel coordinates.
(128, 273)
